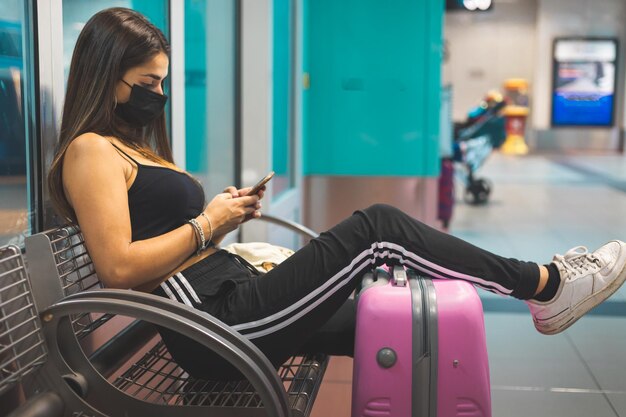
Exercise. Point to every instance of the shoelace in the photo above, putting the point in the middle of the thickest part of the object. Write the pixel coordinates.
(577, 261)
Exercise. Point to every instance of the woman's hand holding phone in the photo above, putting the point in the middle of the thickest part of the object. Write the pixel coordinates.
(259, 186)
(227, 213)
(234, 192)
(258, 189)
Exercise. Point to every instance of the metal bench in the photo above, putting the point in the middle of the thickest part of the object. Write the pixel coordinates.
(22, 347)
(105, 358)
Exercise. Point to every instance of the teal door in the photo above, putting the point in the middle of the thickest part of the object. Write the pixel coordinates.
(371, 103)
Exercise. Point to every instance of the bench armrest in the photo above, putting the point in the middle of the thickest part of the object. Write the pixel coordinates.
(187, 321)
(291, 225)
(47, 404)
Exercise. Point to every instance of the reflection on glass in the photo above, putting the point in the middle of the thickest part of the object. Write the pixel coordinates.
(77, 12)
(210, 54)
(14, 223)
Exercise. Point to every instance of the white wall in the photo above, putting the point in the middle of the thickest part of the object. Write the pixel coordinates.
(256, 85)
(515, 40)
(487, 48)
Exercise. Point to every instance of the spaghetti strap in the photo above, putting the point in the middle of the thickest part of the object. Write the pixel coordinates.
(125, 154)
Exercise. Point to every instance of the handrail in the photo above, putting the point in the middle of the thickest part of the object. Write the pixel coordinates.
(291, 225)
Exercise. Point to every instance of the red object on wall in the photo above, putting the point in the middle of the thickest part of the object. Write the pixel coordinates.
(446, 192)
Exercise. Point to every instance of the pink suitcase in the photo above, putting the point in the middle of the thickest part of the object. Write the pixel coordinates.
(420, 349)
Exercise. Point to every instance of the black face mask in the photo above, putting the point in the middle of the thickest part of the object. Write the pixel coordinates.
(142, 107)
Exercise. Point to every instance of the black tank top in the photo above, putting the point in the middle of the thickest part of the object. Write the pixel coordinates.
(161, 199)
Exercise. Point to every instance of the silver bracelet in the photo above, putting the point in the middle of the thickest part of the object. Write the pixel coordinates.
(196, 235)
(208, 240)
(200, 233)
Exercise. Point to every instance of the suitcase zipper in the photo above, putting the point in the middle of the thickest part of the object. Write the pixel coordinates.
(424, 298)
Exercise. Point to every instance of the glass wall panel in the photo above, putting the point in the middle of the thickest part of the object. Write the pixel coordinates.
(195, 85)
(210, 92)
(16, 69)
(282, 94)
(77, 12)
(210, 77)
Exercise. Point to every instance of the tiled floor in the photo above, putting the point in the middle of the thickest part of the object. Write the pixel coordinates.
(541, 205)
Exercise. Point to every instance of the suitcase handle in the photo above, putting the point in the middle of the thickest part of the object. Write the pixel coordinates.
(399, 276)
(373, 278)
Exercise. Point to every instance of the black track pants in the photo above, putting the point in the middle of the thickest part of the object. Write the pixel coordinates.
(303, 304)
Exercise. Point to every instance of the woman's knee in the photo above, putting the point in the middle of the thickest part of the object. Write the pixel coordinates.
(381, 209)
(389, 217)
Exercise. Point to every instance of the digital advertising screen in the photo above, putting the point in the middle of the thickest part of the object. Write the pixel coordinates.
(583, 86)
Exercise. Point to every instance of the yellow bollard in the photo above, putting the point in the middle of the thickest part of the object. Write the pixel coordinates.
(514, 143)
(515, 113)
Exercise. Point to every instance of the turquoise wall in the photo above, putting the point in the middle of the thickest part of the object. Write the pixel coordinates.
(156, 11)
(195, 85)
(373, 103)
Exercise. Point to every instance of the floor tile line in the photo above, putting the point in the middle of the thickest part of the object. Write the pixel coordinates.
(591, 175)
(610, 308)
(588, 368)
(555, 389)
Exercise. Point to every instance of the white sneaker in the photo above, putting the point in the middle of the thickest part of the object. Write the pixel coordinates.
(587, 279)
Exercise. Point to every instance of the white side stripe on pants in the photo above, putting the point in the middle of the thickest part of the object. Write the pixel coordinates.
(174, 291)
(169, 292)
(377, 250)
(310, 307)
(306, 298)
(450, 272)
(188, 286)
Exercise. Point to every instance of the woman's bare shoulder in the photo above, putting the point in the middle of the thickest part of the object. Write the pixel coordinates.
(91, 159)
(89, 144)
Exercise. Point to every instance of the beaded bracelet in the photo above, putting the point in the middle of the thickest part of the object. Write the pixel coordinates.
(200, 233)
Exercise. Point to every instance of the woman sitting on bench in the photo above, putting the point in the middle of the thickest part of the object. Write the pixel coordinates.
(147, 226)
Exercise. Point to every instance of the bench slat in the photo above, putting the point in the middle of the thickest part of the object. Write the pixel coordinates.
(22, 348)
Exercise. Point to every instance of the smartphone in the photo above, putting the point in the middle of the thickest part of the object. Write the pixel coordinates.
(257, 187)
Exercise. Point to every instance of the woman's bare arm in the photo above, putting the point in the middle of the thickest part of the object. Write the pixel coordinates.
(95, 182)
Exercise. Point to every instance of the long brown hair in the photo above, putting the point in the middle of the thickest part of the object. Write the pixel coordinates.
(112, 42)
